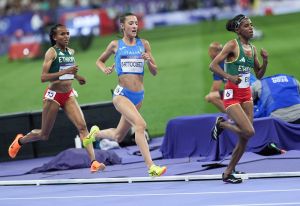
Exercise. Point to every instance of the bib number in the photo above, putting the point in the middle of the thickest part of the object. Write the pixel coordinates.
(50, 94)
(118, 90)
(228, 94)
(245, 83)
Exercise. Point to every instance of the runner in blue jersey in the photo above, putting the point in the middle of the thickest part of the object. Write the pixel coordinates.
(215, 96)
(216, 90)
(131, 54)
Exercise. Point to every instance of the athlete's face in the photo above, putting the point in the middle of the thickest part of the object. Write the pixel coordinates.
(130, 26)
(246, 28)
(62, 36)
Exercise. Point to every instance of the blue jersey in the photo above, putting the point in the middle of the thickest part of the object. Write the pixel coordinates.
(216, 76)
(128, 59)
(252, 78)
(278, 91)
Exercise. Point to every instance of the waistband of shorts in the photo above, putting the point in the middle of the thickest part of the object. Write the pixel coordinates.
(71, 90)
(231, 85)
(132, 92)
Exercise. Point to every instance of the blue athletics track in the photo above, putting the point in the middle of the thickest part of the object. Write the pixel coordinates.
(269, 180)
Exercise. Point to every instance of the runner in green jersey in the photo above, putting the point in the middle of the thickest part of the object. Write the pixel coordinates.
(240, 57)
(59, 70)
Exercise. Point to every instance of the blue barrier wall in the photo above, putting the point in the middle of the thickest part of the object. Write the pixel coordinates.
(62, 135)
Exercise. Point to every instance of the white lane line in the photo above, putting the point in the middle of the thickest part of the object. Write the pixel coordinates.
(147, 194)
(264, 204)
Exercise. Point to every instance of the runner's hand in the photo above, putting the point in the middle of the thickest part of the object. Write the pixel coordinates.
(71, 70)
(109, 70)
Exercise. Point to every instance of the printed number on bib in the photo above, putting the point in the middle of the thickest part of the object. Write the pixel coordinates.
(228, 94)
(118, 90)
(245, 83)
(50, 94)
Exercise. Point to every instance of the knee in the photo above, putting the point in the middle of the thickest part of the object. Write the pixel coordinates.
(249, 132)
(140, 127)
(119, 137)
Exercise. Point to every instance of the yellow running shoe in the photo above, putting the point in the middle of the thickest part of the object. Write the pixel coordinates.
(155, 171)
(97, 166)
(15, 146)
(91, 137)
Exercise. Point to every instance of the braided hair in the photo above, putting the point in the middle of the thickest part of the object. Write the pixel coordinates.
(53, 32)
(234, 23)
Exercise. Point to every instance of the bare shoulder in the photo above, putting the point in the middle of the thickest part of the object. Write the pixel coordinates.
(113, 44)
(50, 53)
(72, 51)
(51, 50)
(146, 45)
(254, 48)
(145, 41)
(232, 44)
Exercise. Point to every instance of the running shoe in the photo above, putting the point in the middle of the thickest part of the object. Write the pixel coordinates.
(238, 172)
(282, 151)
(231, 179)
(155, 171)
(217, 130)
(97, 166)
(91, 137)
(15, 146)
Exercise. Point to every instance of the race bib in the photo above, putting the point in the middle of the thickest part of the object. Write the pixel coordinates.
(50, 94)
(66, 76)
(245, 83)
(118, 90)
(228, 94)
(132, 65)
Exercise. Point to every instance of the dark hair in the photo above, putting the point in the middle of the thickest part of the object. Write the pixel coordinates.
(123, 17)
(122, 20)
(234, 23)
(53, 32)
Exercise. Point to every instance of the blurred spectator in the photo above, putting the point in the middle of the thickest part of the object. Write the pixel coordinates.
(215, 95)
(12, 7)
(277, 96)
(188, 4)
